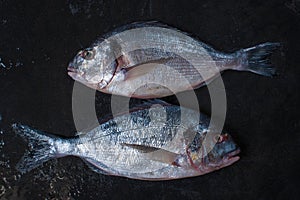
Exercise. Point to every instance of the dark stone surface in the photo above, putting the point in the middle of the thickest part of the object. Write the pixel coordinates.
(39, 38)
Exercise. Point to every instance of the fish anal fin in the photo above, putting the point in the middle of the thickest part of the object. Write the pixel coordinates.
(101, 169)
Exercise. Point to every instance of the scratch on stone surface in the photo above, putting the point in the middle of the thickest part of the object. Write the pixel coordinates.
(293, 5)
(2, 64)
(11, 64)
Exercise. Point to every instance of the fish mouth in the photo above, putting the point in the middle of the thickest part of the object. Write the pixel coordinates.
(71, 68)
(228, 159)
(231, 157)
(72, 71)
(79, 76)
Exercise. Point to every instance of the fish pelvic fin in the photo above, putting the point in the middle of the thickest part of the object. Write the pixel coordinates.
(41, 148)
(257, 59)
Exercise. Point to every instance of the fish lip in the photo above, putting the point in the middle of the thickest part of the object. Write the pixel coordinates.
(228, 159)
(231, 157)
(72, 72)
(233, 153)
(71, 69)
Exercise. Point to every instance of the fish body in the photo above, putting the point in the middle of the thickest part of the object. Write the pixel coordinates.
(144, 60)
(154, 143)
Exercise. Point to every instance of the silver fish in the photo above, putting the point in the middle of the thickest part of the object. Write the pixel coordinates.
(144, 60)
(149, 143)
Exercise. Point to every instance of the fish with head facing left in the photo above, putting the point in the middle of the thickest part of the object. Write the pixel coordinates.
(143, 60)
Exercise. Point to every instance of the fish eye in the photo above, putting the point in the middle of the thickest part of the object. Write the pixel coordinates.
(88, 54)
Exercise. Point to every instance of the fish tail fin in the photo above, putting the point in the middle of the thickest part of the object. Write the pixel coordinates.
(41, 148)
(257, 59)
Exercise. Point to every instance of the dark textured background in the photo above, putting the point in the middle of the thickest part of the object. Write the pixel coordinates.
(39, 38)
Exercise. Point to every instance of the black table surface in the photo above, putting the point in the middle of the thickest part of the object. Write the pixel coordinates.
(39, 38)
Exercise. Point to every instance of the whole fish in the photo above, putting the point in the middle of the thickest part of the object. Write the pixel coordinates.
(144, 60)
(151, 142)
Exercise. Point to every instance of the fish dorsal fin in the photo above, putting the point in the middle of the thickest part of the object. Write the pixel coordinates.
(152, 102)
(145, 104)
(156, 154)
(140, 24)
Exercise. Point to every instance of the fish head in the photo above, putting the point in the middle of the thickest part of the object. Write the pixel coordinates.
(213, 152)
(93, 67)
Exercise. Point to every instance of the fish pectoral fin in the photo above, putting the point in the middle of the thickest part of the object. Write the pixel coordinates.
(141, 69)
(164, 156)
(150, 102)
(141, 148)
(156, 154)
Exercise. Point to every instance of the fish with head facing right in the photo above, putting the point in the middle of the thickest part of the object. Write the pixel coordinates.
(151, 142)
